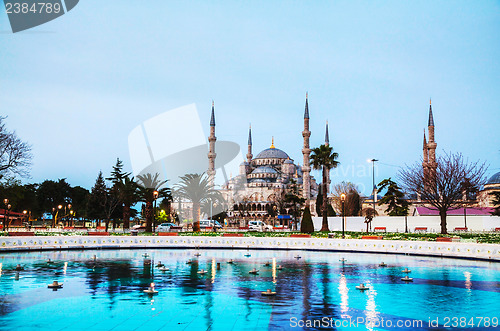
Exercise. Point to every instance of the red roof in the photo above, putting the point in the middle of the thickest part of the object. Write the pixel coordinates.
(424, 211)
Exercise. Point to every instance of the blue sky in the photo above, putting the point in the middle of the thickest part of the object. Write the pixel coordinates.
(75, 87)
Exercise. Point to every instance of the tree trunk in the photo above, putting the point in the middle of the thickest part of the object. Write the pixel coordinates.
(324, 209)
(126, 217)
(196, 216)
(149, 216)
(107, 224)
(442, 214)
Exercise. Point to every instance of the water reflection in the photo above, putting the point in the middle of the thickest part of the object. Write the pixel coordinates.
(312, 288)
(344, 296)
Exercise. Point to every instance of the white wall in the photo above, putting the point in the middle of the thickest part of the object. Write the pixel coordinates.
(397, 223)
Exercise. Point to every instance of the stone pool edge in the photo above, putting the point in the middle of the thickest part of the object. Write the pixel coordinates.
(475, 251)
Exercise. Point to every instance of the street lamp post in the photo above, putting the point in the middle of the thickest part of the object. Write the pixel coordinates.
(155, 196)
(6, 216)
(374, 193)
(342, 198)
(58, 207)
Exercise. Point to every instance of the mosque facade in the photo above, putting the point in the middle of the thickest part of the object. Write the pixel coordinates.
(264, 179)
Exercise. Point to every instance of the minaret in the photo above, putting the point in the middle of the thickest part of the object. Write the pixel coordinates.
(306, 151)
(249, 154)
(327, 143)
(431, 145)
(211, 153)
(425, 163)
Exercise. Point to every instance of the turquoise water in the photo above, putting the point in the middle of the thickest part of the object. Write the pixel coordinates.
(316, 291)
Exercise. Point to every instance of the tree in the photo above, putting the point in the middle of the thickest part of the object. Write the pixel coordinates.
(319, 201)
(148, 185)
(397, 205)
(496, 203)
(117, 174)
(98, 197)
(352, 204)
(369, 214)
(51, 194)
(442, 188)
(197, 189)
(319, 205)
(80, 201)
(324, 158)
(306, 226)
(128, 192)
(15, 155)
(294, 202)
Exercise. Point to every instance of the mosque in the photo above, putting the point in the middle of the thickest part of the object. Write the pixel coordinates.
(264, 179)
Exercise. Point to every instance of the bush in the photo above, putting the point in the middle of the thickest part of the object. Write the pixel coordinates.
(306, 226)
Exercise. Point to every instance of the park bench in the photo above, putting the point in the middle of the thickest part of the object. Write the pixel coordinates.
(21, 233)
(372, 237)
(98, 233)
(243, 228)
(461, 229)
(168, 234)
(300, 235)
(421, 229)
(380, 229)
(444, 239)
(233, 235)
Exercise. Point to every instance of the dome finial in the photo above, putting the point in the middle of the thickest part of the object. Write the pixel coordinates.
(272, 143)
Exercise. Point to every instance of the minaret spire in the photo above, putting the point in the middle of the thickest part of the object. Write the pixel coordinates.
(327, 143)
(306, 151)
(327, 138)
(211, 152)
(249, 154)
(431, 118)
(306, 111)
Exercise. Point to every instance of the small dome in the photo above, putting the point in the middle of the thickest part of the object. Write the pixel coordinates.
(272, 153)
(264, 170)
(495, 179)
(288, 161)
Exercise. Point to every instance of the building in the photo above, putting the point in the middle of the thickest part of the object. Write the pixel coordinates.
(485, 198)
(263, 179)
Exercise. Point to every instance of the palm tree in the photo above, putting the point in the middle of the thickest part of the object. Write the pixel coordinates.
(197, 189)
(128, 192)
(148, 186)
(324, 158)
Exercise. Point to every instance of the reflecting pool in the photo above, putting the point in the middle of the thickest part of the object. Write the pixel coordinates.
(104, 290)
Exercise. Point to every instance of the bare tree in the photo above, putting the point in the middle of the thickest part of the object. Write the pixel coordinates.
(442, 188)
(15, 154)
(352, 204)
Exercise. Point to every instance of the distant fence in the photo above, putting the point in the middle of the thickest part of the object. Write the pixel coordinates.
(397, 223)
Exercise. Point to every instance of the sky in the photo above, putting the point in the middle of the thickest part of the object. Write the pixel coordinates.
(75, 87)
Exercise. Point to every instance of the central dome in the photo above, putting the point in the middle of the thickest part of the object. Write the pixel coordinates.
(272, 153)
